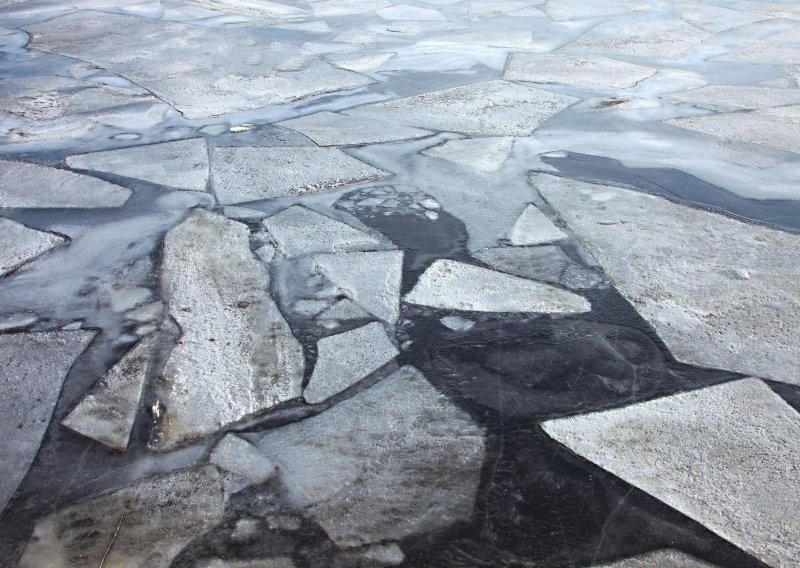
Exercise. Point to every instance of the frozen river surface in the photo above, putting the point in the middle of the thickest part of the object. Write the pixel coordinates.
(368, 283)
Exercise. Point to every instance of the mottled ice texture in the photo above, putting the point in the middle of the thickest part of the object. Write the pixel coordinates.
(182, 164)
(534, 228)
(371, 279)
(237, 355)
(401, 440)
(485, 154)
(492, 108)
(666, 558)
(334, 129)
(157, 518)
(31, 185)
(108, 412)
(582, 71)
(346, 358)
(298, 231)
(33, 367)
(239, 456)
(719, 292)
(20, 244)
(453, 285)
(653, 37)
(201, 71)
(248, 173)
(726, 456)
(736, 97)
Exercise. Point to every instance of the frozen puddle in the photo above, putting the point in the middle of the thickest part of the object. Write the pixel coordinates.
(394, 283)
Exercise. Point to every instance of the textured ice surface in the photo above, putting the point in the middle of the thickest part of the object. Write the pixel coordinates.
(424, 459)
(333, 129)
(655, 37)
(20, 244)
(346, 358)
(241, 174)
(453, 285)
(486, 154)
(237, 356)
(725, 456)
(582, 71)
(666, 558)
(719, 292)
(182, 164)
(239, 456)
(33, 367)
(493, 108)
(31, 185)
(736, 97)
(534, 228)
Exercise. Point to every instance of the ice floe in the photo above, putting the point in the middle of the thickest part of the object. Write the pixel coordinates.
(334, 129)
(20, 244)
(534, 228)
(681, 268)
(242, 458)
(486, 154)
(582, 71)
(725, 456)
(454, 285)
(666, 558)
(346, 358)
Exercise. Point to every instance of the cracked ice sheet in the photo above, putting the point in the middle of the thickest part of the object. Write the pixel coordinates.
(261, 8)
(486, 154)
(725, 456)
(582, 71)
(182, 164)
(667, 38)
(425, 457)
(181, 63)
(496, 108)
(20, 244)
(737, 97)
(719, 292)
(334, 129)
(241, 174)
(31, 185)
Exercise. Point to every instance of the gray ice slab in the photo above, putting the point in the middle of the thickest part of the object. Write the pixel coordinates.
(371, 279)
(31, 185)
(239, 456)
(343, 310)
(298, 231)
(149, 523)
(201, 71)
(534, 228)
(20, 244)
(347, 7)
(33, 367)
(409, 12)
(334, 129)
(237, 355)
(653, 37)
(346, 358)
(241, 174)
(726, 456)
(182, 164)
(719, 292)
(666, 558)
(453, 285)
(107, 413)
(262, 8)
(492, 108)
(581, 71)
(400, 439)
(363, 62)
(485, 154)
(736, 97)
(510, 38)
(715, 18)
(775, 127)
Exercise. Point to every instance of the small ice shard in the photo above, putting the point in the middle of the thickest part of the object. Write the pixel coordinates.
(384, 554)
(424, 459)
(362, 63)
(457, 323)
(409, 12)
(34, 186)
(453, 285)
(241, 174)
(33, 367)
(182, 164)
(147, 313)
(298, 231)
(581, 71)
(334, 129)
(346, 358)
(239, 456)
(343, 310)
(107, 414)
(20, 244)
(17, 321)
(534, 228)
(271, 562)
(155, 518)
(667, 558)
(725, 456)
(371, 279)
(775, 127)
(243, 213)
(672, 263)
(491, 108)
(486, 154)
(237, 355)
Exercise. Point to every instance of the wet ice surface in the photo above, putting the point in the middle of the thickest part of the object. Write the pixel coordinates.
(446, 283)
